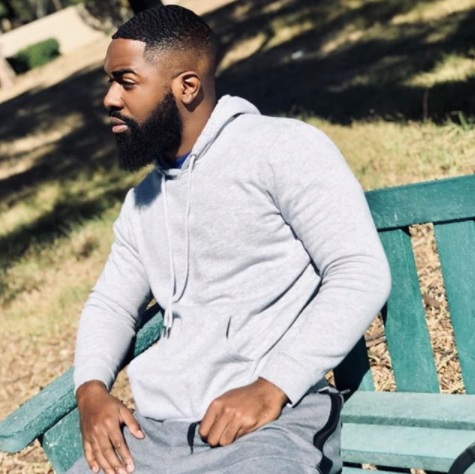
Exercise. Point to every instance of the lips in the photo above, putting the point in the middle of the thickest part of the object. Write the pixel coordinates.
(118, 126)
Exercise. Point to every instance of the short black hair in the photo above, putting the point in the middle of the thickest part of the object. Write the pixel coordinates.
(170, 28)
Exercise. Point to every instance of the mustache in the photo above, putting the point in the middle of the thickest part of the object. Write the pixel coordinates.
(127, 120)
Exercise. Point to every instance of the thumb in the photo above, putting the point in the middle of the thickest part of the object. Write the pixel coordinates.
(131, 423)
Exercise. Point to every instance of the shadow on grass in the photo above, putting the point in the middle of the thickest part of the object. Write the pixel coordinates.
(71, 164)
(365, 75)
(334, 59)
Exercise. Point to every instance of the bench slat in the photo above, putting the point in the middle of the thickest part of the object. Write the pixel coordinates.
(63, 443)
(456, 246)
(404, 319)
(55, 401)
(434, 201)
(424, 410)
(24, 425)
(401, 446)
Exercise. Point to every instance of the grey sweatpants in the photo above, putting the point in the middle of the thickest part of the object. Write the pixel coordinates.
(305, 439)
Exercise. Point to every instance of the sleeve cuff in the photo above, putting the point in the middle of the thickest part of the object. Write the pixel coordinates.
(93, 372)
(290, 376)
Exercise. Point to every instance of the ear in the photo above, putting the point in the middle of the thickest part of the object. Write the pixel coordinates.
(186, 87)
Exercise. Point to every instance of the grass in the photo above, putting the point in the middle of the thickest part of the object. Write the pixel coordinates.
(391, 82)
(385, 154)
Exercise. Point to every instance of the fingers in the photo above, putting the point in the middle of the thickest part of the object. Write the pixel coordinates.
(120, 447)
(222, 424)
(107, 450)
(91, 460)
(207, 421)
(101, 418)
(229, 434)
(129, 420)
(217, 430)
(106, 456)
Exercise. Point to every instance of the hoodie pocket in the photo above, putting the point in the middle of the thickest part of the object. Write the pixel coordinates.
(228, 345)
(179, 376)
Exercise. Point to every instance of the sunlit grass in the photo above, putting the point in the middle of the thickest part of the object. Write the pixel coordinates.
(451, 68)
(432, 11)
(49, 284)
(385, 154)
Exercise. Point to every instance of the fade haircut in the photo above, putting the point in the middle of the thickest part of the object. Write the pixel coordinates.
(170, 28)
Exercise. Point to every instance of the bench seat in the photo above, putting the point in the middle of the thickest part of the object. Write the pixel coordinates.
(414, 430)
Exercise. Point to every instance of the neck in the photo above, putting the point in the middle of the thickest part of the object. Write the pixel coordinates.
(194, 122)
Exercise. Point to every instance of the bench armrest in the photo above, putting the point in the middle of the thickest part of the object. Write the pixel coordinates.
(57, 399)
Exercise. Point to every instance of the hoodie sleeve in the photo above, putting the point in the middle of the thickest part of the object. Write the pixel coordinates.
(321, 200)
(109, 319)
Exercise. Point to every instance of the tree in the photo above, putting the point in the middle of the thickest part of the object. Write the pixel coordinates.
(9, 9)
(42, 7)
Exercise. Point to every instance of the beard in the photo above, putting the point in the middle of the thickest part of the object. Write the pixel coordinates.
(161, 132)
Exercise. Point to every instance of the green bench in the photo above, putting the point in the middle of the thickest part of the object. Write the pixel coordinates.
(414, 427)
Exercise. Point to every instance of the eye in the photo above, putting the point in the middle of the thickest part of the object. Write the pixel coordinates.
(124, 84)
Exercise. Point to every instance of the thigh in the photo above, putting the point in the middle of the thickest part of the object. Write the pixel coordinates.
(307, 435)
(146, 453)
(304, 439)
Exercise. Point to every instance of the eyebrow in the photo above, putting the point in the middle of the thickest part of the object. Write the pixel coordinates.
(120, 72)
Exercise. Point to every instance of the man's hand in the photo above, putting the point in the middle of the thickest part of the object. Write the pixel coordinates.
(241, 411)
(102, 417)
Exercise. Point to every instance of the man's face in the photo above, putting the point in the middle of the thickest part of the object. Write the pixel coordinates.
(144, 114)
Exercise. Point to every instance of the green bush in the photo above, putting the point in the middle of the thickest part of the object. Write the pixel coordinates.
(35, 55)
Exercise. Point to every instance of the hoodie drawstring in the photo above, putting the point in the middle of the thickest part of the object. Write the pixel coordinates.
(173, 297)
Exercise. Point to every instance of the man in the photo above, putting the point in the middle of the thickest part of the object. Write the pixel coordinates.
(255, 238)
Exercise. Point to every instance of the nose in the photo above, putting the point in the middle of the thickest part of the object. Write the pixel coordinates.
(112, 99)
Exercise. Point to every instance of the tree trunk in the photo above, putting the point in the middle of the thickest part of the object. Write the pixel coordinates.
(140, 5)
(57, 5)
(40, 8)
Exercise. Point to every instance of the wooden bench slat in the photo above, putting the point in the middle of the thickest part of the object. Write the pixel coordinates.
(402, 446)
(354, 372)
(456, 246)
(38, 414)
(434, 201)
(404, 319)
(424, 410)
(63, 443)
(55, 401)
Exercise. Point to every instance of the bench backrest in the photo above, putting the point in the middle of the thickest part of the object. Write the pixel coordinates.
(450, 205)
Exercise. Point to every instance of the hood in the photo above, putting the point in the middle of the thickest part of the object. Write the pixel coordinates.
(225, 111)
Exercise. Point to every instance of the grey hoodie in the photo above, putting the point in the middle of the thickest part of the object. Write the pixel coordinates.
(262, 251)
